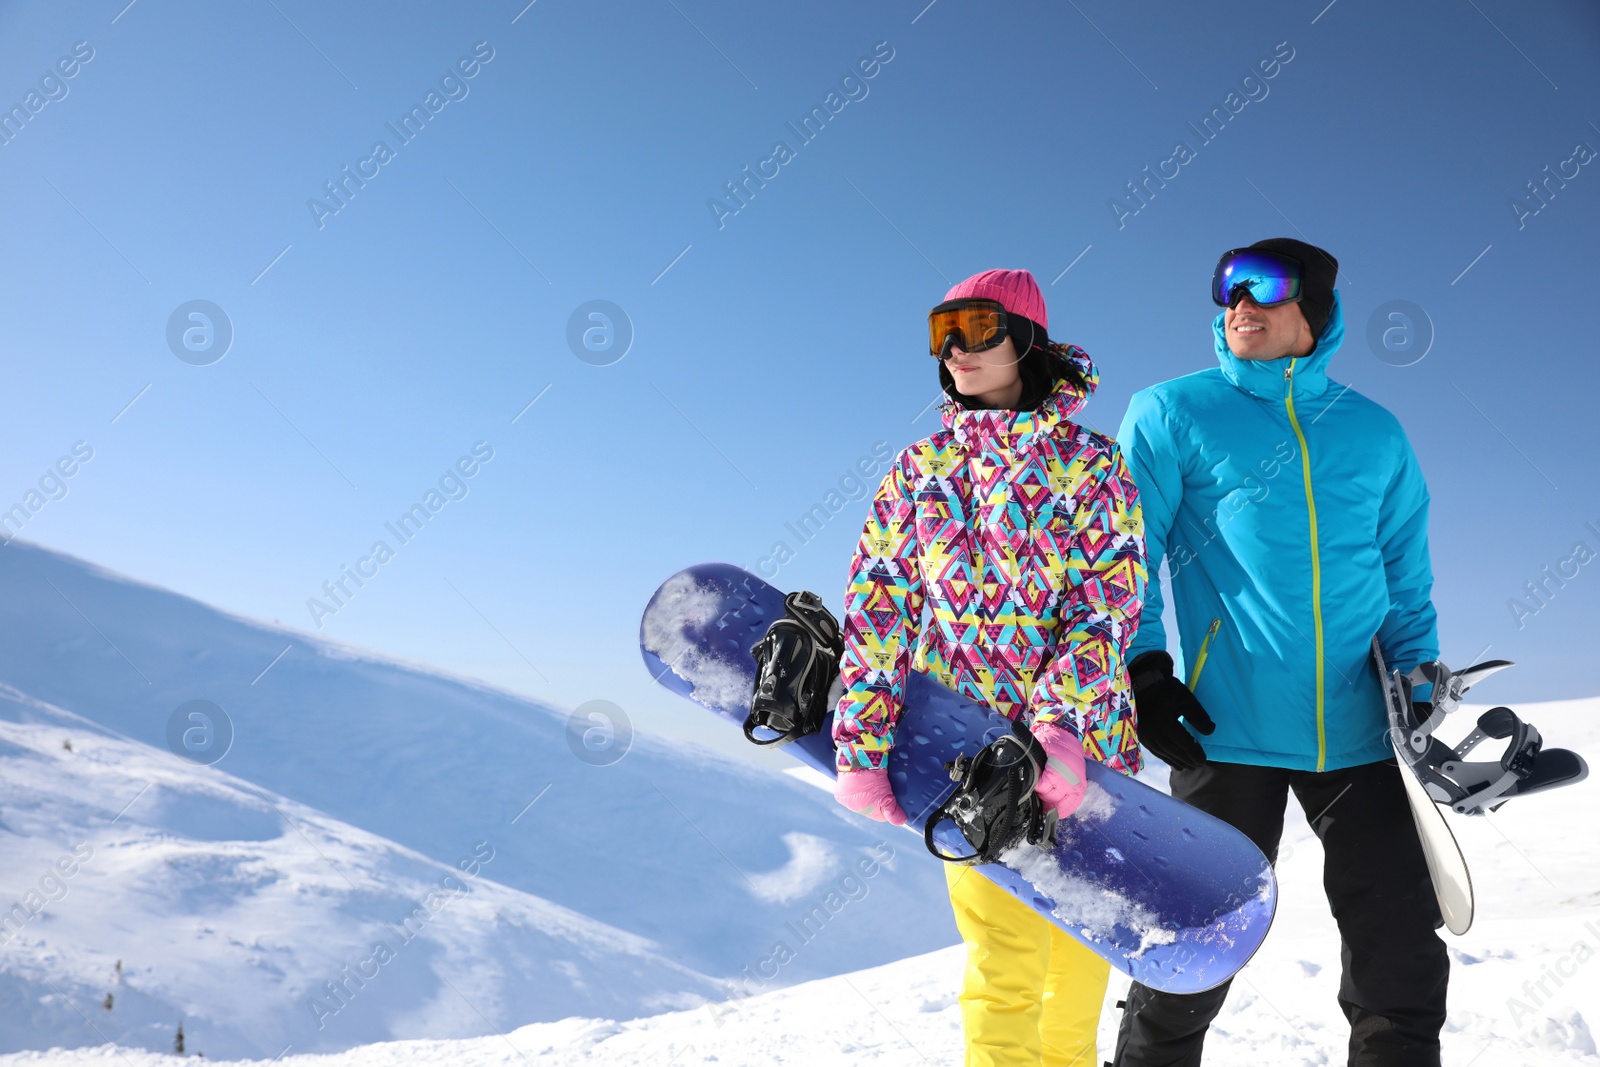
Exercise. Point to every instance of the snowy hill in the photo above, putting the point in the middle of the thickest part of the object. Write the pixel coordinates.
(409, 769)
(1522, 979)
(231, 908)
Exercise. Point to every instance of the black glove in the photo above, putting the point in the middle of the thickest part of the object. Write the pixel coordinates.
(1159, 700)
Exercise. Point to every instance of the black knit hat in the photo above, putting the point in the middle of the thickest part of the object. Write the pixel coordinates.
(1316, 288)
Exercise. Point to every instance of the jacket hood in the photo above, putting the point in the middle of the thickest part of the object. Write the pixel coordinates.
(1018, 429)
(1266, 378)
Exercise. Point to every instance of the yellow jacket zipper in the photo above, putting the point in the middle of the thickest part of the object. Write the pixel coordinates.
(1316, 562)
(1200, 657)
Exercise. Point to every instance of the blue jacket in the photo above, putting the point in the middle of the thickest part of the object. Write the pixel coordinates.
(1290, 510)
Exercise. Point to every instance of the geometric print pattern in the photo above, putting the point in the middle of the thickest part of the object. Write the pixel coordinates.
(1004, 555)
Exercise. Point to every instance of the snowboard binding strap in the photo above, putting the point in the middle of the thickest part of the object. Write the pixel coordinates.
(994, 806)
(797, 660)
(1472, 787)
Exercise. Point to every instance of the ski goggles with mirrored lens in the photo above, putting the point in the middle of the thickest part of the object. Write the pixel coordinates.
(1268, 278)
(970, 325)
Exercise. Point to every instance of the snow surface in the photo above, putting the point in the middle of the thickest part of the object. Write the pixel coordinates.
(677, 868)
(230, 907)
(221, 888)
(1538, 921)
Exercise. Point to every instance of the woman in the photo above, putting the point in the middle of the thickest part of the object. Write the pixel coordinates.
(1022, 533)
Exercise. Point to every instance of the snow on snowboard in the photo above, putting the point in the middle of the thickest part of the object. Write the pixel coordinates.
(1169, 895)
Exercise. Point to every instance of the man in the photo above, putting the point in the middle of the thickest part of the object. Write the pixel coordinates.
(1294, 520)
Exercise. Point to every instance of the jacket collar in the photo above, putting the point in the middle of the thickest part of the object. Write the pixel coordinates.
(1269, 379)
(1016, 431)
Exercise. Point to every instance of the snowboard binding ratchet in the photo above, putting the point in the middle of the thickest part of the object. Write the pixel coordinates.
(797, 663)
(994, 805)
(1472, 787)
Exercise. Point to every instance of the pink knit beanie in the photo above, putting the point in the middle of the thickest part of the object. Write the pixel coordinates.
(1016, 291)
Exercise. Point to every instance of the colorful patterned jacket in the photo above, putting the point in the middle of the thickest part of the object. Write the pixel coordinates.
(1021, 533)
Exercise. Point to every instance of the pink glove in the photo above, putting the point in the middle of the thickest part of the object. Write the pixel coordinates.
(868, 793)
(1065, 779)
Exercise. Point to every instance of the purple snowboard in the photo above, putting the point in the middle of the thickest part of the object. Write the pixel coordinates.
(1171, 896)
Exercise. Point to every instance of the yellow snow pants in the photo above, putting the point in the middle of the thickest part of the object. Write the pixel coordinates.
(1031, 995)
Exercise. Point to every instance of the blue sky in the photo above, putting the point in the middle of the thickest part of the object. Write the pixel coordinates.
(773, 349)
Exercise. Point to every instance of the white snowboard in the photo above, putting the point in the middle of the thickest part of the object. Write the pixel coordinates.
(1452, 882)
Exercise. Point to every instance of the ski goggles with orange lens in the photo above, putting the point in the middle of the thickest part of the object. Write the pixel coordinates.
(1266, 277)
(971, 325)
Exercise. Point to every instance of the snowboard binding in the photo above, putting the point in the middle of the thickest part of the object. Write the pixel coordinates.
(797, 661)
(1472, 787)
(994, 806)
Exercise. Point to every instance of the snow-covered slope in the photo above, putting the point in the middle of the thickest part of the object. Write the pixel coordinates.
(226, 894)
(706, 858)
(232, 908)
(1524, 988)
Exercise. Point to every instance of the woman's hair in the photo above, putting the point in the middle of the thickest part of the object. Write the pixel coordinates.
(1040, 367)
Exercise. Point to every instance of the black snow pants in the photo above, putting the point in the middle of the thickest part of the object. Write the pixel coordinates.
(1395, 968)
